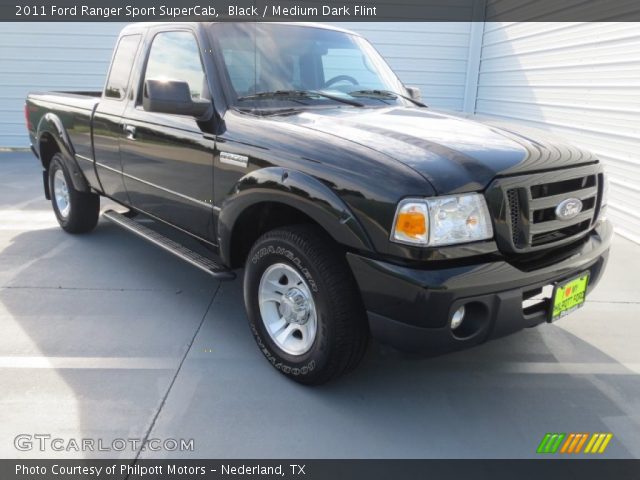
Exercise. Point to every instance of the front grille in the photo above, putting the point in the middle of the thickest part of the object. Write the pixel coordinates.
(559, 234)
(528, 220)
(513, 197)
(564, 186)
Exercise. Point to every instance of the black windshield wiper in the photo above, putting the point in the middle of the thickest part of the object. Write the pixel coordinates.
(296, 94)
(384, 94)
(269, 111)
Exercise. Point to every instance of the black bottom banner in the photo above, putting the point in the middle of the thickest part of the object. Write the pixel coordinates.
(318, 469)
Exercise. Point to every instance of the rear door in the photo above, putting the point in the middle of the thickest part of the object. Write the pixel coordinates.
(107, 119)
(168, 159)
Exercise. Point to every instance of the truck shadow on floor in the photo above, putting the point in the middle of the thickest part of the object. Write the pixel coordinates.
(114, 318)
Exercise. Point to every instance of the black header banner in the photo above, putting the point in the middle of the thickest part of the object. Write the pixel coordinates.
(319, 10)
(317, 469)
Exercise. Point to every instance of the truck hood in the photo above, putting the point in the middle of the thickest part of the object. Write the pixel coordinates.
(454, 154)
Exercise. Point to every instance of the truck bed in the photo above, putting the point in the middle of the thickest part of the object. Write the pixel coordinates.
(85, 100)
(73, 109)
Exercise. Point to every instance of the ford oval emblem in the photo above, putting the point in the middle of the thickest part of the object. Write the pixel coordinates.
(568, 209)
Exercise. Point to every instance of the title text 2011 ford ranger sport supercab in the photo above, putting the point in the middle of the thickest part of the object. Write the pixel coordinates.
(295, 152)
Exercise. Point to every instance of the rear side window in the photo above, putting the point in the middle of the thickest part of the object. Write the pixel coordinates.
(176, 56)
(121, 67)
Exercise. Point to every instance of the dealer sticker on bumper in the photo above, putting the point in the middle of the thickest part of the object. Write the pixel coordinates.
(569, 296)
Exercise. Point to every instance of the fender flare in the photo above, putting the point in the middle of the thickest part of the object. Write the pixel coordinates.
(294, 189)
(52, 125)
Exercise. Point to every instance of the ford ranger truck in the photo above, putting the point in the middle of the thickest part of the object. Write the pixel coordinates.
(294, 154)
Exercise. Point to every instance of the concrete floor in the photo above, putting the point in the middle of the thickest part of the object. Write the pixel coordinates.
(105, 336)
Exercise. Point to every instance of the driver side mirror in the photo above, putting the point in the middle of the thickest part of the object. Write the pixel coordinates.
(414, 93)
(174, 96)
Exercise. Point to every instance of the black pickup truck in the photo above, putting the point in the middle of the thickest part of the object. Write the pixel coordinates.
(295, 152)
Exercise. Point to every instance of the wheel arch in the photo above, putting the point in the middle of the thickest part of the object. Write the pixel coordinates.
(274, 197)
(53, 138)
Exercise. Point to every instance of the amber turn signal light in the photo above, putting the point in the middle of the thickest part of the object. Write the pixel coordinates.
(411, 223)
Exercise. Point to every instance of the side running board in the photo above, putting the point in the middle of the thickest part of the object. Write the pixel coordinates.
(203, 263)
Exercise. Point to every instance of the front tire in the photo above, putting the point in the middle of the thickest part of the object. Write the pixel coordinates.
(77, 212)
(304, 307)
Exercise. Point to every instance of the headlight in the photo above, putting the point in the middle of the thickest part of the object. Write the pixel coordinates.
(442, 220)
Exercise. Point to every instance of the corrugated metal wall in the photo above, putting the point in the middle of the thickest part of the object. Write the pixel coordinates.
(48, 56)
(579, 80)
(75, 56)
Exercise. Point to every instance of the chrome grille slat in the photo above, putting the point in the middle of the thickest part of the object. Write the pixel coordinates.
(553, 200)
(552, 225)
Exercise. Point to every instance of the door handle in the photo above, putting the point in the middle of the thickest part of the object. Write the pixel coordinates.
(130, 132)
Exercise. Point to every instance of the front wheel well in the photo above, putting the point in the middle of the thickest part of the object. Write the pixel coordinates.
(258, 220)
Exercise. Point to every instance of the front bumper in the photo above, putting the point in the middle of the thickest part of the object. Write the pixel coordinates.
(411, 309)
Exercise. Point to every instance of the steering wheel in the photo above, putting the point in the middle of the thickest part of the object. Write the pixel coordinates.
(340, 78)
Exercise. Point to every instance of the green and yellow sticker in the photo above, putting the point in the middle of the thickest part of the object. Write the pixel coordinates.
(569, 296)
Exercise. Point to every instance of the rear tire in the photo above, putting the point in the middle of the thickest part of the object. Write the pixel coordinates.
(77, 212)
(303, 304)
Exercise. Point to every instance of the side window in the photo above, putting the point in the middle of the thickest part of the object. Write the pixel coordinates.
(176, 56)
(121, 67)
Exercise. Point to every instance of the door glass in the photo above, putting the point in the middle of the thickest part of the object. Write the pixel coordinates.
(121, 67)
(176, 56)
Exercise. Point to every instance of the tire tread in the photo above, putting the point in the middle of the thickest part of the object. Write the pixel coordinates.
(85, 206)
(351, 329)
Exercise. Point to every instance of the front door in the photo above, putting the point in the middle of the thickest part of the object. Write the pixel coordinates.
(167, 159)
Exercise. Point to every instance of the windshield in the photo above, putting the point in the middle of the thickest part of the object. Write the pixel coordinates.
(295, 62)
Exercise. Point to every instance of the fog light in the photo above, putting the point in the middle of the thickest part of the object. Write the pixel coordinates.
(457, 318)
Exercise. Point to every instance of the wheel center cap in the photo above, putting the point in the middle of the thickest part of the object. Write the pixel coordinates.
(295, 306)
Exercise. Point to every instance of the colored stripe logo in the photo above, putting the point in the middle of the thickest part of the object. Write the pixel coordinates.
(573, 443)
